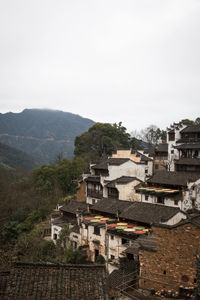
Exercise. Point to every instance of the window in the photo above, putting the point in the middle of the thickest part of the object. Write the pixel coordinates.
(55, 236)
(112, 237)
(146, 171)
(146, 197)
(124, 241)
(97, 230)
(172, 151)
(93, 201)
(112, 257)
(176, 202)
(160, 200)
(164, 272)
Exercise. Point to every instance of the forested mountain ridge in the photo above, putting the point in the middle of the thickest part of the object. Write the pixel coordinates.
(13, 158)
(42, 133)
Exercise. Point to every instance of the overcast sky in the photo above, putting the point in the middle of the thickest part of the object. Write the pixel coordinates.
(135, 61)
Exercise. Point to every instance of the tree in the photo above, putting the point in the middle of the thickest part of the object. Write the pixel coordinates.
(63, 237)
(153, 135)
(101, 140)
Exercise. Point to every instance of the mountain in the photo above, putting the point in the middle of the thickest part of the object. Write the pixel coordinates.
(42, 133)
(14, 158)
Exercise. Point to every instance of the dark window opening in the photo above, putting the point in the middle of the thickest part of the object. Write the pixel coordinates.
(185, 278)
(97, 230)
(112, 257)
(176, 202)
(55, 236)
(112, 237)
(146, 197)
(164, 272)
(160, 200)
(124, 241)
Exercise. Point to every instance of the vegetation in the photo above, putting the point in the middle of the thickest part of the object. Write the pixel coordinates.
(13, 158)
(101, 140)
(42, 133)
(26, 201)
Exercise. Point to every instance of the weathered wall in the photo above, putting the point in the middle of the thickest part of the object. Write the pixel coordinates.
(81, 192)
(175, 258)
(127, 191)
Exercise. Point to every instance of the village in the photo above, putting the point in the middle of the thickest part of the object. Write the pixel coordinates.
(142, 208)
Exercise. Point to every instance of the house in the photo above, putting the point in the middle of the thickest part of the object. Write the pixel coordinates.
(160, 158)
(184, 148)
(116, 177)
(176, 189)
(172, 266)
(54, 281)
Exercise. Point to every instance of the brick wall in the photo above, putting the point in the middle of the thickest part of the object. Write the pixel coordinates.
(174, 263)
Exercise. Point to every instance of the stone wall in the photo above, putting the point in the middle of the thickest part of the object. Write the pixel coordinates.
(173, 265)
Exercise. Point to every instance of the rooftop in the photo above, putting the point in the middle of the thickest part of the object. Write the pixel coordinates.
(110, 206)
(122, 180)
(48, 281)
(188, 146)
(162, 148)
(149, 213)
(191, 129)
(73, 206)
(93, 179)
(173, 178)
(110, 161)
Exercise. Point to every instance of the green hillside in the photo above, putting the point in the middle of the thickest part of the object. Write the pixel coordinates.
(11, 158)
(42, 133)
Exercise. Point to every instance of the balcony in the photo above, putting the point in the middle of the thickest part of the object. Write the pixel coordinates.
(94, 193)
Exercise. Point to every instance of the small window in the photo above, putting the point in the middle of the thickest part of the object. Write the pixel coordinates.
(55, 236)
(160, 200)
(185, 278)
(124, 241)
(146, 197)
(172, 151)
(93, 201)
(164, 272)
(176, 202)
(146, 171)
(112, 257)
(97, 230)
(112, 237)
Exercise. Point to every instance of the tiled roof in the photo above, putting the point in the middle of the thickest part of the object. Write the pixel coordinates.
(122, 180)
(93, 179)
(144, 243)
(188, 161)
(191, 128)
(188, 146)
(56, 282)
(148, 213)
(162, 148)
(110, 161)
(173, 178)
(73, 206)
(110, 206)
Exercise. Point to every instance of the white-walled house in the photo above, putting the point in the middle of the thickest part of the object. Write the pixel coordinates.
(175, 189)
(184, 148)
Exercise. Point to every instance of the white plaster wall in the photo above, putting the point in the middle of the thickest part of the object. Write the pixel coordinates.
(175, 219)
(55, 229)
(127, 191)
(89, 199)
(129, 168)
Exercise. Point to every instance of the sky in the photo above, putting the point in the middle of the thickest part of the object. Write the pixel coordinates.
(135, 61)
